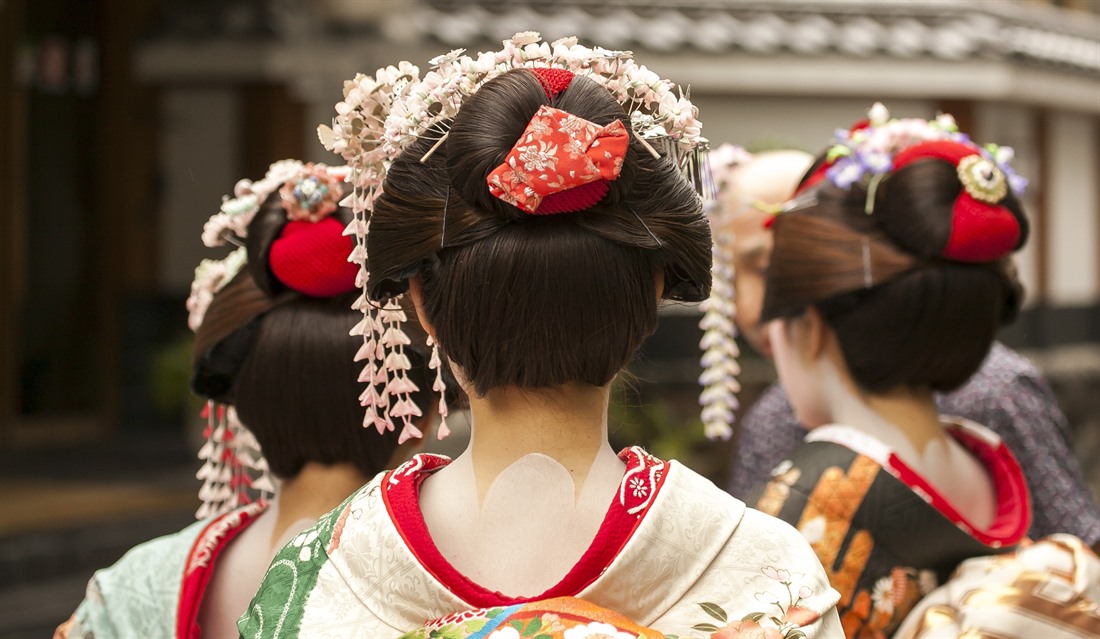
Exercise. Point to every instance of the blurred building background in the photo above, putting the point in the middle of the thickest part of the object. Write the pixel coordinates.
(122, 123)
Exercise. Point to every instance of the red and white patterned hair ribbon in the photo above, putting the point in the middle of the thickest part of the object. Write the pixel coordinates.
(561, 163)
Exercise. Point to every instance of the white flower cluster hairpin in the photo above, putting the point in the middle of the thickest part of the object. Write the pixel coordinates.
(719, 345)
(868, 149)
(382, 115)
(234, 468)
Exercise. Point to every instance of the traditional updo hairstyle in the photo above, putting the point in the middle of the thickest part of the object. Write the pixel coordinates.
(904, 315)
(535, 301)
(285, 361)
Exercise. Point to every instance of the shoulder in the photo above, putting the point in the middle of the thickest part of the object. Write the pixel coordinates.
(765, 577)
(760, 544)
(152, 559)
(690, 490)
(139, 594)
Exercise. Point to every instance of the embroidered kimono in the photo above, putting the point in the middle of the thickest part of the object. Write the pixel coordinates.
(885, 536)
(674, 553)
(156, 589)
(1050, 588)
(559, 618)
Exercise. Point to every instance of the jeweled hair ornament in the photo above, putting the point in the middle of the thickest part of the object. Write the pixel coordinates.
(982, 229)
(308, 256)
(382, 115)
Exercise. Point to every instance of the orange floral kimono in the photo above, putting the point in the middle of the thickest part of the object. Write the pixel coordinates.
(885, 536)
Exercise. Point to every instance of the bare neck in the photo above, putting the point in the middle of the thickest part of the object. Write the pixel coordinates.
(567, 424)
(905, 419)
(314, 491)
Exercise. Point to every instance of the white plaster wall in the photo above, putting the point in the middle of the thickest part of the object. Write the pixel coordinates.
(1014, 125)
(199, 160)
(801, 122)
(1072, 203)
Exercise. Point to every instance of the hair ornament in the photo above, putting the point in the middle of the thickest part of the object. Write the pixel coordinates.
(981, 230)
(871, 146)
(234, 471)
(982, 179)
(211, 276)
(382, 115)
(802, 200)
(310, 257)
(561, 163)
(230, 223)
(435, 363)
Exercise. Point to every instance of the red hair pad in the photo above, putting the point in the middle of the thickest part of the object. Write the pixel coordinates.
(312, 258)
(577, 198)
(814, 178)
(947, 150)
(980, 231)
(553, 81)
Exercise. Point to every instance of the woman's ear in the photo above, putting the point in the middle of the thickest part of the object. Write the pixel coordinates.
(812, 334)
(416, 292)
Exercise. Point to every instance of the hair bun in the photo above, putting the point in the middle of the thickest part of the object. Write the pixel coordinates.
(924, 208)
(484, 135)
(484, 132)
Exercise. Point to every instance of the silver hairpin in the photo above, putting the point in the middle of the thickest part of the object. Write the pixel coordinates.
(867, 280)
(446, 203)
(645, 226)
(802, 201)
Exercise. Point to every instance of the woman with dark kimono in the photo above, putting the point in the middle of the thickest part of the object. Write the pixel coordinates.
(890, 277)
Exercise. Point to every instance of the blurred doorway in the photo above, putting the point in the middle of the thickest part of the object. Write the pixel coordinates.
(76, 173)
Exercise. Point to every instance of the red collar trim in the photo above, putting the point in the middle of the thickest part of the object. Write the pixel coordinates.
(1013, 517)
(199, 567)
(642, 481)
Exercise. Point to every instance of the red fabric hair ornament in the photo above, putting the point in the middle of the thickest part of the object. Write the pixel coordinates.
(981, 229)
(311, 258)
(561, 163)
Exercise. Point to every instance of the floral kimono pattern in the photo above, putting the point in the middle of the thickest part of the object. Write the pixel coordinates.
(670, 542)
(559, 618)
(885, 536)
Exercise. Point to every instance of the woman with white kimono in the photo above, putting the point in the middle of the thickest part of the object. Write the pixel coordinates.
(536, 212)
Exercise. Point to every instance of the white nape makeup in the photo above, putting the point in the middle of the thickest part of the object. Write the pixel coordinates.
(490, 539)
